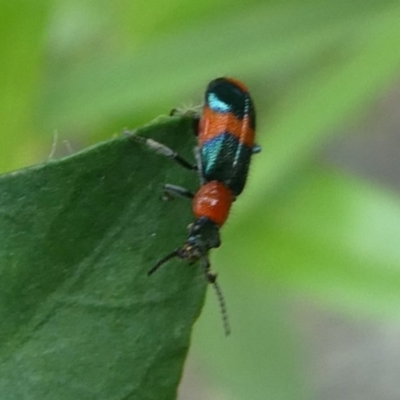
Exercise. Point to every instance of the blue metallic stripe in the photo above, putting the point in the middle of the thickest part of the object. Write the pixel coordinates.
(226, 160)
(225, 97)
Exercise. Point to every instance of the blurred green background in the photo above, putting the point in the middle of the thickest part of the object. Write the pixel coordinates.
(310, 257)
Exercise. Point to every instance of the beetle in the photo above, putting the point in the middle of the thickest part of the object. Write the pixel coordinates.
(225, 145)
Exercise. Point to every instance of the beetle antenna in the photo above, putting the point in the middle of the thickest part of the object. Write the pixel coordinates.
(163, 261)
(212, 278)
(222, 307)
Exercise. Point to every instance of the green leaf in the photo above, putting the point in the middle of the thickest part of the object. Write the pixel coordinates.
(80, 318)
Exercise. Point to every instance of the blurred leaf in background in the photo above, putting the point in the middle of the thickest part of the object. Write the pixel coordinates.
(88, 69)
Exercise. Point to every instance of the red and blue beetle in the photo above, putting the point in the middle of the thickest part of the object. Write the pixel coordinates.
(225, 145)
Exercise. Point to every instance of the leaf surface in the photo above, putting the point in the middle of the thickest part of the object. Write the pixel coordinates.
(80, 318)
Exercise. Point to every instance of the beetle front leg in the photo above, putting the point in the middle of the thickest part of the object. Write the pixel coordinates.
(160, 148)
